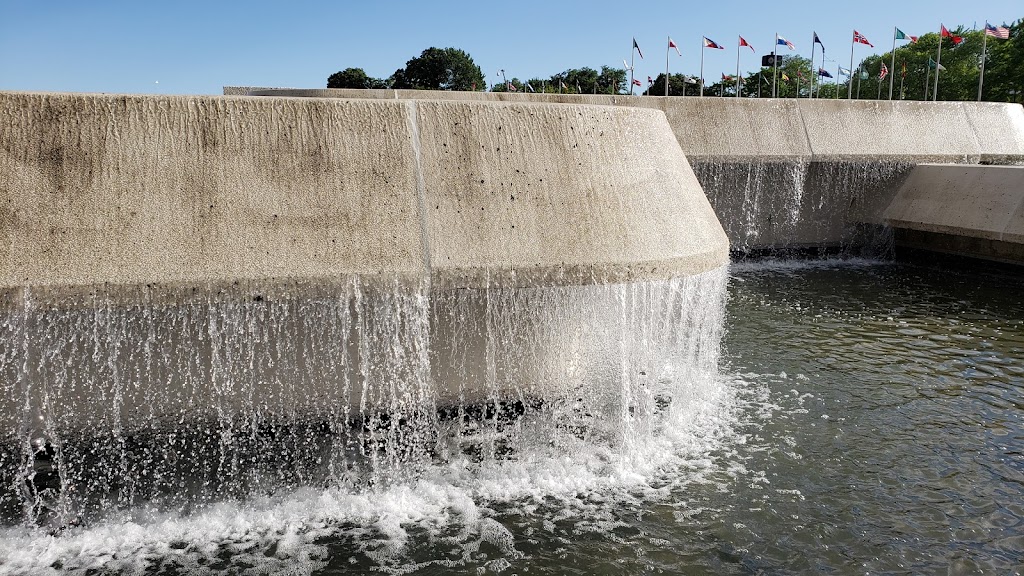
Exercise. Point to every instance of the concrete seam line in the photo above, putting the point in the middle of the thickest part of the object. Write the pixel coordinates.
(421, 193)
(807, 135)
(974, 132)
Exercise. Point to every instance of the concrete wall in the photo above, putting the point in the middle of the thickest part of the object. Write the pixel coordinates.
(137, 189)
(968, 210)
(798, 172)
(164, 258)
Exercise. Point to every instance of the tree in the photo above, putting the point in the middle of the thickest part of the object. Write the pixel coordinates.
(354, 78)
(678, 85)
(440, 69)
(611, 80)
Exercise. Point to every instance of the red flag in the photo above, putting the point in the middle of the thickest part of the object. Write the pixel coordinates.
(672, 44)
(747, 44)
(883, 72)
(637, 82)
(942, 30)
(858, 37)
(650, 80)
(913, 39)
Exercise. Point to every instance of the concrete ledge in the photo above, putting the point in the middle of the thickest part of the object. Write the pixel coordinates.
(117, 189)
(981, 203)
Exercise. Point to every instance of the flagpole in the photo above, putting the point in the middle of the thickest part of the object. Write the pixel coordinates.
(859, 77)
(879, 96)
(738, 69)
(927, 78)
(701, 80)
(984, 47)
(667, 48)
(849, 93)
(837, 80)
(903, 76)
(775, 69)
(893, 65)
(811, 93)
(938, 62)
(632, 57)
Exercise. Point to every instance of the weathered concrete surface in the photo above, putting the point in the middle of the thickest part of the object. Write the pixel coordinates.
(801, 173)
(139, 189)
(967, 210)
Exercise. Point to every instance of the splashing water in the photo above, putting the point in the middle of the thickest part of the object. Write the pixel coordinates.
(238, 426)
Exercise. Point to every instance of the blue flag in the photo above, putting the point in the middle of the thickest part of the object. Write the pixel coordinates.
(824, 73)
(818, 40)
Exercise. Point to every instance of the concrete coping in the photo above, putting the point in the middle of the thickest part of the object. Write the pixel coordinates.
(811, 130)
(111, 190)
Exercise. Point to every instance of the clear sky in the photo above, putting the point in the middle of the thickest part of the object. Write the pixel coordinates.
(193, 47)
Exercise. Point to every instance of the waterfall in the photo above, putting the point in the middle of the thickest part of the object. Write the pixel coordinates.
(177, 398)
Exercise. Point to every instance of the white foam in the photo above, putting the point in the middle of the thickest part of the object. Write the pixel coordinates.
(454, 499)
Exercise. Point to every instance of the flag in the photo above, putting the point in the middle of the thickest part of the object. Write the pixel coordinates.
(637, 48)
(818, 40)
(747, 44)
(672, 44)
(843, 71)
(931, 64)
(883, 72)
(650, 81)
(799, 74)
(578, 91)
(562, 84)
(726, 78)
(901, 35)
(864, 74)
(690, 79)
(903, 73)
(784, 77)
(709, 43)
(947, 34)
(824, 73)
(530, 87)
(1001, 32)
(511, 87)
(787, 43)
(636, 82)
(858, 37)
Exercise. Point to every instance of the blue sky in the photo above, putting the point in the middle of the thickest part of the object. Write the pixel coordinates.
(191, 47)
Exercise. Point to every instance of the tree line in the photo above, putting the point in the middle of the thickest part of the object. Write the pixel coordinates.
(912, 71)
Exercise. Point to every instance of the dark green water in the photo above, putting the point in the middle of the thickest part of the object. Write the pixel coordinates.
(869, 419)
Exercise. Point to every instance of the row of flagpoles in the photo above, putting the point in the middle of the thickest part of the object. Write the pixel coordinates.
(1000, 32)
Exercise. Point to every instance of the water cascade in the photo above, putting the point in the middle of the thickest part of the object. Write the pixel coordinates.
(218, 299)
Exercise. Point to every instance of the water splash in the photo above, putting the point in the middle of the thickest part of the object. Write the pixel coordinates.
(153, 403)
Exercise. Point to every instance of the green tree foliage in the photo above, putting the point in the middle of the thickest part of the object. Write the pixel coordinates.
(1004, 68)
(354, 78)
(440, 69)
(678, 85)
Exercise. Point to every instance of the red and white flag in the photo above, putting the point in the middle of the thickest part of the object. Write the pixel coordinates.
(637, 82)
(672, 44)
(858, 37)
(747, 44)
(883, 72)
